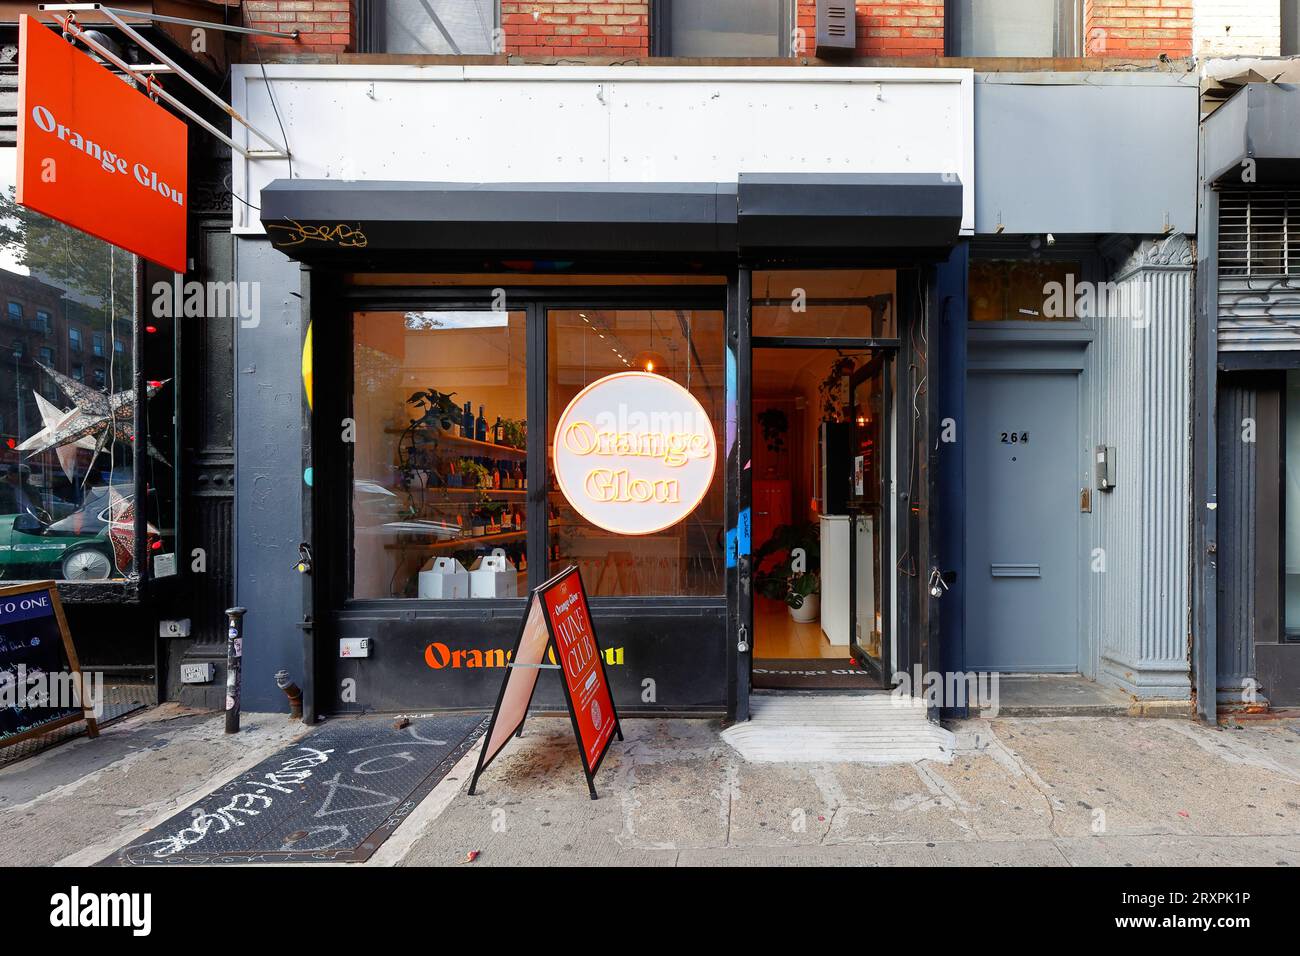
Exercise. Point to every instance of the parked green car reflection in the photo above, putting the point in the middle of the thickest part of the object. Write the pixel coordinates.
(77, 547)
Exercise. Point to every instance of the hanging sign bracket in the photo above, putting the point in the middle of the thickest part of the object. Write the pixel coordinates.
(73, 29)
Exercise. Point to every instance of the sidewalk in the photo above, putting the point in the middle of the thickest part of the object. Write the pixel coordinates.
(1041, 791)
(1019, 791)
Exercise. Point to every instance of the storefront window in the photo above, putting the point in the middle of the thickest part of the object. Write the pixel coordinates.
(67, 446)
(439, 485)
(840, 303)
(685, 346)
(1029, 290)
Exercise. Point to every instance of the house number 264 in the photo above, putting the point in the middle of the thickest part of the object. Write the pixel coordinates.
(1015, 438)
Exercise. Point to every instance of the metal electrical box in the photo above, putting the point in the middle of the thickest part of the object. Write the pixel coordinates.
(1105, 467)
(197, 673)
(837, 30)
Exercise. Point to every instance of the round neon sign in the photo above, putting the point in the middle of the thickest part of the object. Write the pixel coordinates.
(634, 453)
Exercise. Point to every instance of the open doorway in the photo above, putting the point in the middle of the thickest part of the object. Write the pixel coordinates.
(820, 483)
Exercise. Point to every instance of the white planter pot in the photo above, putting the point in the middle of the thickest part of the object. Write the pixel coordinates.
(808, 612)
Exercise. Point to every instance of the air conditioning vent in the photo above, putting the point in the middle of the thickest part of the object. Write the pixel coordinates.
(836, 27)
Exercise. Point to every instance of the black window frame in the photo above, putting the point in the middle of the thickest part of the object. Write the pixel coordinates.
(333, 505)
(952, 30)
(661, 18)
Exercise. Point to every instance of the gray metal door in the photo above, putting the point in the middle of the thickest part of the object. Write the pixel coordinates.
(1022, 522)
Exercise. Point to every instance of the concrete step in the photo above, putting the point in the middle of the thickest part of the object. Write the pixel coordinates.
(862, 728)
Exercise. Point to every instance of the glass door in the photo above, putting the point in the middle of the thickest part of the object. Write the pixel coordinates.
(869, 513)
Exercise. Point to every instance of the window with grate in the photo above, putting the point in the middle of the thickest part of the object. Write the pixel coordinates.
(1259, 233)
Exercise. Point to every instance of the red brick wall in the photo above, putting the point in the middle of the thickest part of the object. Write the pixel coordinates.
(1112, 28)
(1138, 28)
(576, 29)
(901, 28)
(325, 26)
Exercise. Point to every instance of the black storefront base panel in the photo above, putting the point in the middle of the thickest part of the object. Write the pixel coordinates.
(660, 658)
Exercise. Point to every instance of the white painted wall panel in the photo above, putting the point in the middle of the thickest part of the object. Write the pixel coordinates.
(610, 124)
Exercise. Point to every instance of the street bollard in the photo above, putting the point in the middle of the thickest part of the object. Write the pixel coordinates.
(234, 666)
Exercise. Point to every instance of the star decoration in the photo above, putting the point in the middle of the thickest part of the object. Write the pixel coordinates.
(95, 416)
(55, 418)
(121, 529)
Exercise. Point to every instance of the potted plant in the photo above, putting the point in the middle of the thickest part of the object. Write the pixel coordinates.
(473, 475)
(832, 388)
(516, 432)
(438, 409)
(775, 424)
(796, 579)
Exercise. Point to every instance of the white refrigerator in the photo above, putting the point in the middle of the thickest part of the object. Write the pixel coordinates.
(836, 624)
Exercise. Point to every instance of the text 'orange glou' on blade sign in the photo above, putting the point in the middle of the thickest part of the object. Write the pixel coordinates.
(95, 153)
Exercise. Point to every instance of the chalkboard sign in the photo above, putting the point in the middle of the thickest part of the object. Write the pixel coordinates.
(40, 678)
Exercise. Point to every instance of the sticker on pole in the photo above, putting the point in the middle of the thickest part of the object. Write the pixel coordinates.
(634, 453)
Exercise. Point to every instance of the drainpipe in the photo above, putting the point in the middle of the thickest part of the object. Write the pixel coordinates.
(292, 691)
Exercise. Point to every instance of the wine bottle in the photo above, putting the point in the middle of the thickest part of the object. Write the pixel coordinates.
(480, 426)
(467, 422)
(498, 432)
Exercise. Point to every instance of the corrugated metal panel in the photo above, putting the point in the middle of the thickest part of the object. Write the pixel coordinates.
(1141, 400)
(1259, 270)
(1237, 510)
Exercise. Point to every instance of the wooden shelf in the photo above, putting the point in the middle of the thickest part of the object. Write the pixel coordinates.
(490, 492)
(454, 544)
(472, 445)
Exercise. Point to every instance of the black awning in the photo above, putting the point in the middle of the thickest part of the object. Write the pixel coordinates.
(870, 211)
(311, 217)
(319, 219)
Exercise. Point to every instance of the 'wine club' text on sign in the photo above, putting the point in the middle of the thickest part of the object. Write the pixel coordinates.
(634, 453)
(96, 154)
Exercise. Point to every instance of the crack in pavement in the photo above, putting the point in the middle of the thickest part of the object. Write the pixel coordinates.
(1012, 761)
